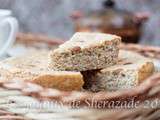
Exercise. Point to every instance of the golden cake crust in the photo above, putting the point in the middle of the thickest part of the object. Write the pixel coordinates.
(33, 67)
(130, 71)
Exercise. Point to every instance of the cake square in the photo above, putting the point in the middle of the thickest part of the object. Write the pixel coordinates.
(86, 51)
(34, 68)
(131, 70)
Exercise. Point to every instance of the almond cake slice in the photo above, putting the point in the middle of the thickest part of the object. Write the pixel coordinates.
(86, 51)
(33, 67)
(129, 72)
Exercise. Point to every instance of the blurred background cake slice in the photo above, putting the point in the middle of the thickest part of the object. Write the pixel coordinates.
(33, 67)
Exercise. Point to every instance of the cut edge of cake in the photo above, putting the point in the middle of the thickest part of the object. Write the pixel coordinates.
(86, 51)
(130, 71)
